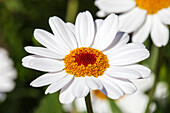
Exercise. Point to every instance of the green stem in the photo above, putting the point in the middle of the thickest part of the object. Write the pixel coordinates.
(75, 108)
(88, 104)
(71, 12)
(157, 71)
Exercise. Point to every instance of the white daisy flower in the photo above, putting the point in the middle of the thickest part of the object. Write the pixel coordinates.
(143, 17)
(86, 56)
(7, 74)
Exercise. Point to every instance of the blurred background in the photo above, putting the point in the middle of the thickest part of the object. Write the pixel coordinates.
(19, 18)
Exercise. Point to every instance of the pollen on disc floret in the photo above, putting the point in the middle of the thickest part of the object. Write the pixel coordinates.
(152, 6)
(86, 61)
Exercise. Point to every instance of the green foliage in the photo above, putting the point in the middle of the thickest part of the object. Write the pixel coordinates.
(49, 104)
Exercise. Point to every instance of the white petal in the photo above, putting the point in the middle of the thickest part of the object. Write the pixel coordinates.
(106, 34)
(44, 52)
(101, 13)
(42, 64)
(48, 40)
(98, 24)
(48, 78)
(26, 60)
(164, 15)
(71, 27)
(63, 33)
(122, 72)
(93, 83)
(120, 39)
(129, 54)
(116, 6)
(110, 89)
(100, 85)
(85, 29)
(159, 32)
(143, 32)
(144, 71)
(54, 87)
(66, 95)
(80, 88)
(127, 86)
(132, 20)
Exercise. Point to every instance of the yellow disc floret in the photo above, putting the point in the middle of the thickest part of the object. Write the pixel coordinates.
(152, 6)
(86, 61)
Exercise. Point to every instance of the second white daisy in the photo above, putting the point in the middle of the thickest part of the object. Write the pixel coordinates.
(143, 17)
(86, 56)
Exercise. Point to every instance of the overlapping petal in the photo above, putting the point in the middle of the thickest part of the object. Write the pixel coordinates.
(105, 35)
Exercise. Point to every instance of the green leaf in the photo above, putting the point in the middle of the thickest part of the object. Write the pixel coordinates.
(114, 107)
(49, 104)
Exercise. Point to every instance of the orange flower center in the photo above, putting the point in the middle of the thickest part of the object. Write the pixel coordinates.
(152, 6)
(86, 61)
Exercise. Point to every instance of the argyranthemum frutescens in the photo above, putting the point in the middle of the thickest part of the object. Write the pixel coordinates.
(143, 17)
(86, 56)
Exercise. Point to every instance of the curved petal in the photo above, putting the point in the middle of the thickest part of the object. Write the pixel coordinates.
(71, 27)
(48, 78)
(92, 83)
(132, 20)
(122, 72)
(106, 34)
(80, 88)
(115, 6)
(85, 30)
(44, 52)
(127, 86)
(54, 87)
(144, 71)
(48, 40)
(110, 89)
(128, 54)
(126, 47)
(164, 15)
(143, 32)
(26, 60)
(42, 64)
(63, 33)
(98, 24)
(66, 95)
(120, 39)
(159, 32)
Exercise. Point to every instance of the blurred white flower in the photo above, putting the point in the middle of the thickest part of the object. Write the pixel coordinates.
(143, 17)
(137, 102)
(87, 56)
(7, 74)
(161, 90)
